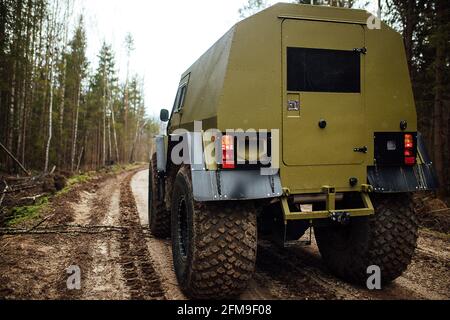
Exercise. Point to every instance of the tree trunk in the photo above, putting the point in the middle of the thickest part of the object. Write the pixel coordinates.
(12, 107)
(79, 159)
(50, 118)
(61, 113)
(114, 133)
(105, 83)
(438, 119)
(125, 135)
(109, 140)
(75, 129)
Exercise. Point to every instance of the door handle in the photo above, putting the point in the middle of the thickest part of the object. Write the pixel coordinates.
(361, 150)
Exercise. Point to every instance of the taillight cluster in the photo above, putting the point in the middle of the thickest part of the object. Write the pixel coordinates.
(410, 157)
(228, 161)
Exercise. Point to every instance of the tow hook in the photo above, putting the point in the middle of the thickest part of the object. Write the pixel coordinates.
(342, 218)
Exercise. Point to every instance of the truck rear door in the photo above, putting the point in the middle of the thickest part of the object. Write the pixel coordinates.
(323, 93)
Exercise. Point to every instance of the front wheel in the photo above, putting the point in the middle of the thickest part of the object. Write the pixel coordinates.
(387, 240)
(214, 245)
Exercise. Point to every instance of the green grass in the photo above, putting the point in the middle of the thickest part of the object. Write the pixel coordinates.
(72, 181)
(78, 179)
(27, 213)
(24, 214)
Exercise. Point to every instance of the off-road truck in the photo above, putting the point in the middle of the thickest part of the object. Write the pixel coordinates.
(331, 103)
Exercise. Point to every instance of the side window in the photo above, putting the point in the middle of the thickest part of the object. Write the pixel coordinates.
(181, 96)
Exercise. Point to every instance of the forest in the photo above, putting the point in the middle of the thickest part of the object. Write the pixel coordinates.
(57, 111)
(83, 216)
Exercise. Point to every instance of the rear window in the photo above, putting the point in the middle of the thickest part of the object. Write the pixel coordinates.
(321, 70)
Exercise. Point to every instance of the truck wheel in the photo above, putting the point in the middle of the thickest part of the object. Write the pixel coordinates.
(158, 216)
(387, 240)
(214, 245)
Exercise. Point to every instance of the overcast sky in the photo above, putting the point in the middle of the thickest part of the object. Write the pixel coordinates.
(169, 36)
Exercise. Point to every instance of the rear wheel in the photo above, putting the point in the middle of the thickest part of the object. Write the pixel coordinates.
(387, 239)
(214, 245)
(158, 216)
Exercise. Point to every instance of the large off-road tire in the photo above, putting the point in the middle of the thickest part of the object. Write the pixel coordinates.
(388, 240)
(214, 244)
(158, 216)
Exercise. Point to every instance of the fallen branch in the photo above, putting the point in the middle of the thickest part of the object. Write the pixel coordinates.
(63, 229)
(41, 232)
(15, 159)
(41, 222)
(21, 189)
(91, 226)
(34, 198)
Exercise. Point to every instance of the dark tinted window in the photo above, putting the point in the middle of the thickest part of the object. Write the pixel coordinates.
(181, 96)
(320, 70)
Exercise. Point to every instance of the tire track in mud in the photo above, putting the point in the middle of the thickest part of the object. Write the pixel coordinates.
(104, 277)
(137, 265)
(160, 249)
(298, 273)
(95, 254)
(287, 277)
(131, 264)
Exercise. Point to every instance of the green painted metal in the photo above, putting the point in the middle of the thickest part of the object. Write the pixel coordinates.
(368, 209)
(240, 82)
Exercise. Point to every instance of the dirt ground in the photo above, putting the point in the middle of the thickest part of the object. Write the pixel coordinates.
(101, 226)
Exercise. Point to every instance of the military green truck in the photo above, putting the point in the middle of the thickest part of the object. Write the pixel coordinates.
(329, 102)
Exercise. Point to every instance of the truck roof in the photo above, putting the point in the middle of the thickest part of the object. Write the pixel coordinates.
(249, 47)
(298, 11)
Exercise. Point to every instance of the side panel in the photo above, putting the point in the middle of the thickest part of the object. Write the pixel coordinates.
(206, 80)
(389, 96)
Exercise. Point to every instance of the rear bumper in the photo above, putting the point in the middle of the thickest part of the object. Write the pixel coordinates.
(330, 211)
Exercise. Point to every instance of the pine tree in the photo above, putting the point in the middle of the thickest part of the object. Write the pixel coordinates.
(76, 73)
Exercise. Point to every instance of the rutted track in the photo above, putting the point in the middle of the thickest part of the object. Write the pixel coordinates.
(114, 261)
(137, 266)
(299, 273)
(123, 261)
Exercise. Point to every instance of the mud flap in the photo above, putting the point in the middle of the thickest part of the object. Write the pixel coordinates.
(234, 185)
(161, 153)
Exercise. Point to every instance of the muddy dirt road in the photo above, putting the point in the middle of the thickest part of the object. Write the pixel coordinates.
(101, 227)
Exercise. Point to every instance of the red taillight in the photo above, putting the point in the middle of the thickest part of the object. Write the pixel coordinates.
(410, 159)
(228, 152)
